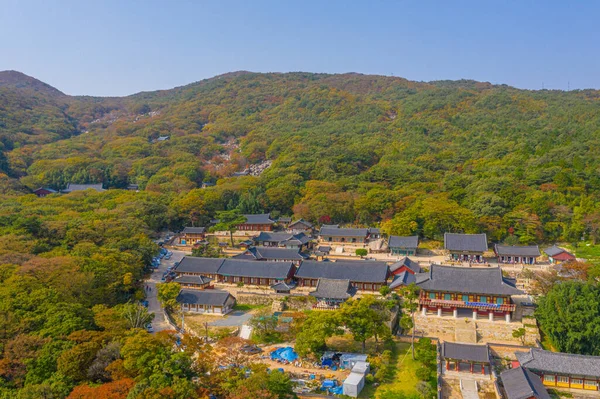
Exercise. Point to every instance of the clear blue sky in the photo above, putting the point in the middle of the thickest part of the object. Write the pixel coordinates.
(119, 47)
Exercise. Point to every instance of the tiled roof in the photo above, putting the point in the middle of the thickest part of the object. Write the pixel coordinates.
(282, 238)
(518, 250)
(554, 250)
(560, 363)
(249, 268)
(191, 264)
(324, 248)
(333, 289)
(467, 352)
(411, 264)
(520, 383)
(466, 280)
(203, 297)
(81, 187)
(404, 278)
(284, 219)
(403, 242)
(465, 242)
(300, 221)
(271, 253)
(201, 280)
(281, 286)
(262, 218)
(342, 232)
(357, 271)
(194, 230)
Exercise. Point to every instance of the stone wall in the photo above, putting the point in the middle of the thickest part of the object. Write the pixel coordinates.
(250, 299)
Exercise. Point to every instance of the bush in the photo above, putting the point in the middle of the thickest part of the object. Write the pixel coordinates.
(361, 252)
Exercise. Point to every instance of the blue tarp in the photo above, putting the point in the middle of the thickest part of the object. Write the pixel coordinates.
(337, 390)
(286, 354)
(328, 384)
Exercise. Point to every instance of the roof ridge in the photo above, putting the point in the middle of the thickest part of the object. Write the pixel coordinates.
(575, 355)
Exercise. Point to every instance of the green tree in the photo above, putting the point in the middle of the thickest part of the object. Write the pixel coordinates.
(229, 221)
(363, 319)
(410, 304)
(312, 335)
(167, 294)
(520, 334)
(362, 252)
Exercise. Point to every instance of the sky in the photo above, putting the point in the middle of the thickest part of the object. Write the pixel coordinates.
(121, 47)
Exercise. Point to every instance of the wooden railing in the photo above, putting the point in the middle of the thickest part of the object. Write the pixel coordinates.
(506, 307)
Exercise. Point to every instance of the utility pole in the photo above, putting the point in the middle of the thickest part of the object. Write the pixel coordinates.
(182, 320)
(206, 330)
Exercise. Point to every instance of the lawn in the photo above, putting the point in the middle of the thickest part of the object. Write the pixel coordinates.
(405, 379)
(247, 308)
(586, 250)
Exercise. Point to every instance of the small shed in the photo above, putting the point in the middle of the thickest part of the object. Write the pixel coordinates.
(353, 385)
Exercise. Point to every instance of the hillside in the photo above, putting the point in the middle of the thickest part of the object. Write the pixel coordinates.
(417, 157)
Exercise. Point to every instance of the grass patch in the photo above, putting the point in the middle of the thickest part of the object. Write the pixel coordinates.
(586, 250)
(247, 308)
(405, 380)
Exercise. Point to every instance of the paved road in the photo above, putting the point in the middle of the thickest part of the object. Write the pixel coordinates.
(233, 319)
(159, 323)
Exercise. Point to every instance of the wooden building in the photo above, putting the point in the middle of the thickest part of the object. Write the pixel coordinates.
(44, 191)
(517, 254)
(466, 292)
(209, 301)
(287, 240)
(363, 275)
(194, 266)
(562, 370)
(248, 272)
(336, 234)
(194, 282)
(270, 254)
(261, 222)
(331, 294)
(520, 383)
(300, 226)
(466, 357)
(405, 265)
(82, 187)
(192, 235)
(403, 246)
(558, 255)
(466, 247)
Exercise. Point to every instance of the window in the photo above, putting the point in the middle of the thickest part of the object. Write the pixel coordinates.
(499, 301)
(483, 299)
(549, 378)
(562, 378)
(448, 297)
(465, 298)
(577, 381)
(432, 295)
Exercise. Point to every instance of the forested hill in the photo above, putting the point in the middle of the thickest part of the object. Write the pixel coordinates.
(416, 157)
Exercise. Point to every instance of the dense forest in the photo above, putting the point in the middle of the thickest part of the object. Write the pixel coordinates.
(413, 157)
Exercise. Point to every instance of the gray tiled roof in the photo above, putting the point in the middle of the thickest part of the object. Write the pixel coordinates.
(249, 268)
(301, 221)
(271, 253)
(554, 250)
(191, 264)
(465, 242)
(284, 219)
(518, 250)
(281, 286)
(468, 280)
(560, 363)
(520, 383)
(203, 297)
(342, 232)
(374, 230)
(324, 248)
(404, 278)
(201, 280)
(333, 289)
(356, 271)
(81, 187)
(467, 352)
(262, 218)
(403, 242)
(194, 230)
(282, 238)
(411, 264)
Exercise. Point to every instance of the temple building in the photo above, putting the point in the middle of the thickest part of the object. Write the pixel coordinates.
(562, 370)
(466, 247)
(192, 235)
(270, 254)
(466, 292)
(404, 246)
(261, 222)
(194, 282)
(525, 254)
(558, 255)
(331, 294)
(466, 357)
(286, 240)
(363, 275)
(194, 266)
(253, 273)
(210, 301)
(520, 383)
(336, 234)
(300, 226)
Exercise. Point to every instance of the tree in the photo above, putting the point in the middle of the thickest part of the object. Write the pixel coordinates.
(264, 324)
(167, 294)
(362, 252)
(229, 221)
(570, 316)
(410, 304)
(363, 319)
(385, 290)
(207, 251)
(520, 334)
(136, 315)
(314, 331)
